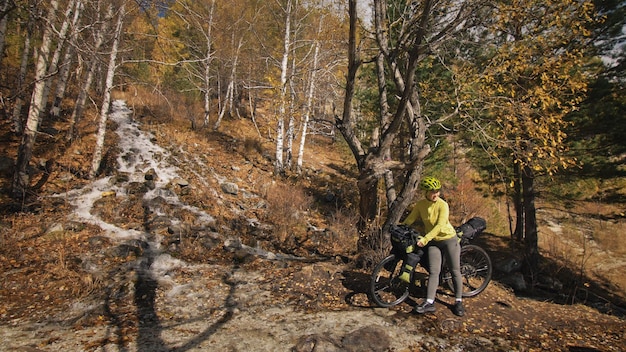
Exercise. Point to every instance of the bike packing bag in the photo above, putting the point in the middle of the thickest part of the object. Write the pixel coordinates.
(410, 262)
(471, 228)
(403, 239)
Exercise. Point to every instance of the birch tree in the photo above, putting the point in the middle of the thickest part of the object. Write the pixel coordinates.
(308, 109)
(60, 45)
(106, 101)
(230, 89)
(93, 61)
(279, 166)
(21, 178)
(66, 66)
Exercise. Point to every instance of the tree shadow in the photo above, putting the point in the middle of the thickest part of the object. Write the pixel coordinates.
(149, 328)
(358, 285)
(229, 305)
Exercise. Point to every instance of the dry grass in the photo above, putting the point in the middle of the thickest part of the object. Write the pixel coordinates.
(286, 209)
(611, 235)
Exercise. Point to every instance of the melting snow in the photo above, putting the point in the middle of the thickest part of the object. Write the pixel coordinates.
(140, 156)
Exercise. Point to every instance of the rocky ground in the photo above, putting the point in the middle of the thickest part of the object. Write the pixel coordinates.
(171, 252)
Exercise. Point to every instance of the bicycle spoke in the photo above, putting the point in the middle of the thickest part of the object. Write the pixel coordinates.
(385, 289)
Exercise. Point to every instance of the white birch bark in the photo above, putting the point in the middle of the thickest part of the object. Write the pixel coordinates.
(53, 65)
(81, 99)
(230, 90)
(106, 101)
(280, 127)
(21, 178)
(309, 108)
(64, 72)
(207, 67)
(291, 127)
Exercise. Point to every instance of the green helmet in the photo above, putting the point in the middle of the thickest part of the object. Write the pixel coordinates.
(430, 184)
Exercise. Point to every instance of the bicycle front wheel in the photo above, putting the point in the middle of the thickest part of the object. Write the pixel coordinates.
(476, 270)
(386, 289)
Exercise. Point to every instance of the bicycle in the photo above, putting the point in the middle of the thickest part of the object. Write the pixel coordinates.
(387, 289)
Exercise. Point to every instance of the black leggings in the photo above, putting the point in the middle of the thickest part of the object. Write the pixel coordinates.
(452, 250)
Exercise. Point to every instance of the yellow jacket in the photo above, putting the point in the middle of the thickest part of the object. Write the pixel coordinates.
(435, 217)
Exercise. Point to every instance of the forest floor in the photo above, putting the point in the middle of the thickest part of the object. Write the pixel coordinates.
(69, 285)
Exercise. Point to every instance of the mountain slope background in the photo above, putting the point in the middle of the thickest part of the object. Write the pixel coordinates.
(272, 266)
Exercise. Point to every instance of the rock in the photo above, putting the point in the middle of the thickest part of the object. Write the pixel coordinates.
(180, 182)
(55, 229)
(159, 222)
(232, 244)
(137, 188)
(369, 338)
(150, 175)
(230, 188)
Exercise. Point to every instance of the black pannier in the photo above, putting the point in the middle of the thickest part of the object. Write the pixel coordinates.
(471, 228)
(403, 238)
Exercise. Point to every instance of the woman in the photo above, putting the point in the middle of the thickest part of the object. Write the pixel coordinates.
(440, 239)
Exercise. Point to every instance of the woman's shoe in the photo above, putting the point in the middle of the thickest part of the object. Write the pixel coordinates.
(425, 308)
(458, 309)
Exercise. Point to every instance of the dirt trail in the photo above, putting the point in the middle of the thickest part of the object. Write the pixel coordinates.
(120, 254)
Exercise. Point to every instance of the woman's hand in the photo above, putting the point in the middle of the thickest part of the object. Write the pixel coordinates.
(421, 241)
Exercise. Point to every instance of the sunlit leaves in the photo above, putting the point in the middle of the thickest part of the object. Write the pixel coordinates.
(535, 77)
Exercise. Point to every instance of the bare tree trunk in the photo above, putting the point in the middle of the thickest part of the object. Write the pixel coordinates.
(390, 188)
(66, 65)
(518, 233)
(230, 89)
(309, 107)
(530, 221)
(21, 178)
(18, 125)
(56, 56)
(252, 107)
(106, 101)
(289, 136)
(207, 67)
(79, 106)
(279, 166)
(291, 126)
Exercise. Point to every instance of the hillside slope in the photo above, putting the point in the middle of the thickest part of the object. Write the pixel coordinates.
(194, 245)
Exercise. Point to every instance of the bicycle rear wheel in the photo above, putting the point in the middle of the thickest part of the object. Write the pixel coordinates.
(386, 289)
(476, 270)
